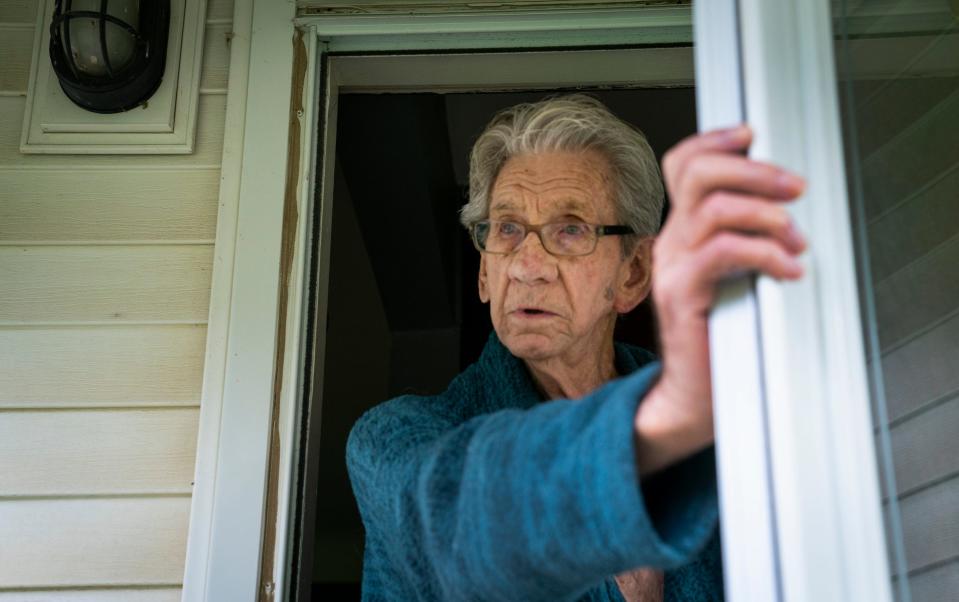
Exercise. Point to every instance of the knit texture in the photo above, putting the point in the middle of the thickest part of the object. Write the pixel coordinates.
(485, 492)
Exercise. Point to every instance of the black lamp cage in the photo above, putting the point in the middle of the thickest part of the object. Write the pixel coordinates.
(117, 87)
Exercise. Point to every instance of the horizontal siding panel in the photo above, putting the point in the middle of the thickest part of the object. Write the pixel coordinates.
(913, 158)
(207, 151)
(93, 542)
(105, 283)
(916, 227)
(97, 452)
(914, 374)
(81, 366)
(160, 594)
(925, 448)
(18, 11)
(930, 524)
(940, 584)
(124, 206)
(16, 54)
(16, 50)
(919, 294)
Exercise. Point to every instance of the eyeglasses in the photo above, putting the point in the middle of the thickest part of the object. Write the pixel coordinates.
(559, 238)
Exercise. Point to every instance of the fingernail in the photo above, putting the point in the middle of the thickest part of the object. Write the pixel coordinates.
(795, 236)
(791, 183)
(736, 136)
(794, 266)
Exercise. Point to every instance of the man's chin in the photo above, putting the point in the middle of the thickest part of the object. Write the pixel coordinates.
(530, 346)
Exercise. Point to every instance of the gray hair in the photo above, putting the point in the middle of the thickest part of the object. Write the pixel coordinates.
(575, 122)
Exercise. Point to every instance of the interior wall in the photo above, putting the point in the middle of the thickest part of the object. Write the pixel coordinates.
(105, 263)
(356, 372)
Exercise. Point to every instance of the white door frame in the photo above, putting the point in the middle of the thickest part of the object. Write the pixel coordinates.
(750, 554)
(436, 72)
(236, 413)
(252, 383)
(818, 448)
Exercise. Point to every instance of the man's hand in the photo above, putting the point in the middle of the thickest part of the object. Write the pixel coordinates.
(727, 217)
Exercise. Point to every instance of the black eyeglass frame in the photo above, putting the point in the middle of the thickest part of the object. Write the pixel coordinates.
(599, 229)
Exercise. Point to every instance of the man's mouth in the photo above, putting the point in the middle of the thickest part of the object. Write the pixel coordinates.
(533, 311)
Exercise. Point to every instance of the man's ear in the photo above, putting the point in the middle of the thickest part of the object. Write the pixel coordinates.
(636, 280)
(482, 282)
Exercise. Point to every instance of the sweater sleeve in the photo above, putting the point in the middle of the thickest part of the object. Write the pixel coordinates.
(536, 504)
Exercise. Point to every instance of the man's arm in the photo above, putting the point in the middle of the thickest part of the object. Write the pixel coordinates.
(539, 504)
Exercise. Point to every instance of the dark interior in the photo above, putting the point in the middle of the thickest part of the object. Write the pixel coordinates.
(403, 313)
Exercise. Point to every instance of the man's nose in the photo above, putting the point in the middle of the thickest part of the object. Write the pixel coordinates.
(531, 262)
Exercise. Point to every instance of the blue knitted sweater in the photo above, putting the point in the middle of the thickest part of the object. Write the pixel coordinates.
(485, 492)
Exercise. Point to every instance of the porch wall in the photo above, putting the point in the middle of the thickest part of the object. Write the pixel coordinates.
(105, 266)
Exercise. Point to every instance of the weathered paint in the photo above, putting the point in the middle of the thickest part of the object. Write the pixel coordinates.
(267, 588)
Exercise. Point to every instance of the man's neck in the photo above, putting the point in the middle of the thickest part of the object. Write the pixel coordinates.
(573, 376)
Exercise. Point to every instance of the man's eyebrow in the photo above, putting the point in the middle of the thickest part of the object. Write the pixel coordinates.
(503, 206)
(573, 205)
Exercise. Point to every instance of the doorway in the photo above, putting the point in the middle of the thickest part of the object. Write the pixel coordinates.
(403, 313)
(392, 287)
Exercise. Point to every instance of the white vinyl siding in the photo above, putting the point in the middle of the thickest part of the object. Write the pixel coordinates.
(153, 594)
(101, 365)
(97, 451)
(105, 264)
(82, 206)
(104, 283)
(90, 542)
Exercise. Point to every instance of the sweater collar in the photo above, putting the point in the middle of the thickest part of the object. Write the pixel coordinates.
(512, 384)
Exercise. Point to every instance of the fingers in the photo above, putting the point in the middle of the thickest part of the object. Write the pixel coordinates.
(713, 161)
(723, 200)
(727, 254)
(744, 214)
(710, 172)
(729, 140)
(687, 275)
(728, 217)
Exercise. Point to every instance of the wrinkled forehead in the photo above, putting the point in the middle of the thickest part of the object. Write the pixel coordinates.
(554, 185)
(512, 203)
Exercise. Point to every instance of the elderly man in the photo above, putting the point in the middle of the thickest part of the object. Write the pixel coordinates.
(561, 465)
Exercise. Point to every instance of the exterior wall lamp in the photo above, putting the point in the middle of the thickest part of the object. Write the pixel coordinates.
(109, 55)
(95, 61)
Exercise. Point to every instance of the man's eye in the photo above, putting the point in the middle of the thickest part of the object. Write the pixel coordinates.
(508, 229)
(573, 230)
